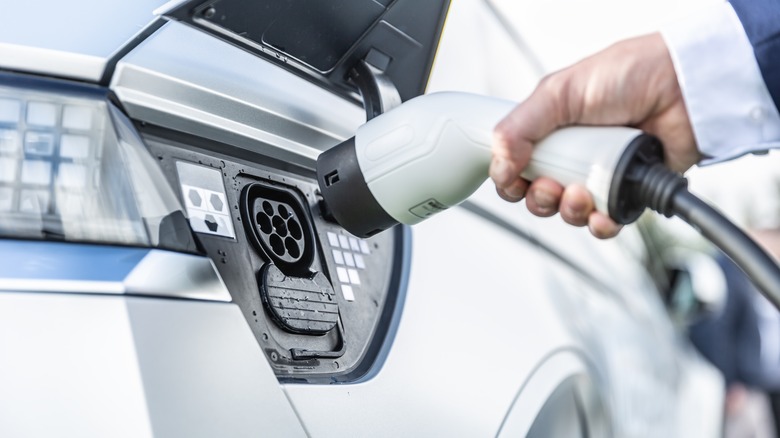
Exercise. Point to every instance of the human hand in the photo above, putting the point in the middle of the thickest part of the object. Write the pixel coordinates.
(632, 83)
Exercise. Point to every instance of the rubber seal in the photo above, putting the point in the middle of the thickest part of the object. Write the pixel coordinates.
(346, 193)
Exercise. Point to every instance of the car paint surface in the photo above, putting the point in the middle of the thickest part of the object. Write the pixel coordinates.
(494, 295)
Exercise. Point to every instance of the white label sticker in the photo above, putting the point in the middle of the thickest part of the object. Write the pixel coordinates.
(359, 262)
(349, 260)
(338, 257)
(333, 239)
(344, 241)
(348, 293)
(343, 275)
(354, 277)
(205, 200)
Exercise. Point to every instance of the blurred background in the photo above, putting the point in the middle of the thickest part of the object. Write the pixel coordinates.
(504, 47)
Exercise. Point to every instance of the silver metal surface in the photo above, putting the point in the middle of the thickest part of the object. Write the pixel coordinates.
(69, 39)
(31, 266)
(98, 366)
(186, 80)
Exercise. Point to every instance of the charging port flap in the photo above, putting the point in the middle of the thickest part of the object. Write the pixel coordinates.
(299, 305)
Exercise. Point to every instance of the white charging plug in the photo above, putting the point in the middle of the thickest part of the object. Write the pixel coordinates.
(432, 152)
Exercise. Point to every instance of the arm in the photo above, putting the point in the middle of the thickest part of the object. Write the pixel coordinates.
(761, 22)
(731, 110)
(636, 83)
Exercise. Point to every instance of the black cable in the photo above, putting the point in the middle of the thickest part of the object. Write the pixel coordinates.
(642, 181)
(738, 246)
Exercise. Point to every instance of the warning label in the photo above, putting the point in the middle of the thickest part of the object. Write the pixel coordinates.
(427, 209)
(208, 211)
(204, 198)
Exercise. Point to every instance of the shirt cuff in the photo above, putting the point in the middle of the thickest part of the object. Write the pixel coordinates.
(729, 106)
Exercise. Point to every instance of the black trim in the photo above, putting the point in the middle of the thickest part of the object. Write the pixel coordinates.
(377, 90)
(234, 151)
(406, 34)
(390, 319)
(346, 193)
(285, 195)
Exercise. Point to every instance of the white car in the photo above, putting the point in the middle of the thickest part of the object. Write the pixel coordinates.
(168, 268)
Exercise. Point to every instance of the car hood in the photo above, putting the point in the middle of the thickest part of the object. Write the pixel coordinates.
(75, 39)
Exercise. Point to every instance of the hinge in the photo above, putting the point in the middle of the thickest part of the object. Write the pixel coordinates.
(376, 88)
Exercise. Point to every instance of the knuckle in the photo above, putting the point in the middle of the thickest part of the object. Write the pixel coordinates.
(557, 88)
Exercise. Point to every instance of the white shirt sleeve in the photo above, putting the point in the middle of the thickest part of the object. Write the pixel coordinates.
(730, 108)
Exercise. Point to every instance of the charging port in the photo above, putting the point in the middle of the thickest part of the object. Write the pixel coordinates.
(278, 227)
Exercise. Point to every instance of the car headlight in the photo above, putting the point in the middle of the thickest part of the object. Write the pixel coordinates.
(72, 167)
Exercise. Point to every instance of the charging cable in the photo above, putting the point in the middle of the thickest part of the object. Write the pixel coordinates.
(642, 181)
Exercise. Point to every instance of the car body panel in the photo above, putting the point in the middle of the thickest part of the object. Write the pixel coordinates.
(464, 346)
(495, 296)
(99, 269)
(526, 418)
(90, 365)
(183, 79)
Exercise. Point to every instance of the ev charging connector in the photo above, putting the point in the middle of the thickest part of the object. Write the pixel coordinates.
(432, 152)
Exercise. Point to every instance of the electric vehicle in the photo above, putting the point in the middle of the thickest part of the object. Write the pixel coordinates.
(168, 266)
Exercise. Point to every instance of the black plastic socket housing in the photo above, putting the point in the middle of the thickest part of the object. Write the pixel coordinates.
(278, 226)
(346, 193)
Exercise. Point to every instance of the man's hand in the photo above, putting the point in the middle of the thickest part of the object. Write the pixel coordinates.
(632, 83)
